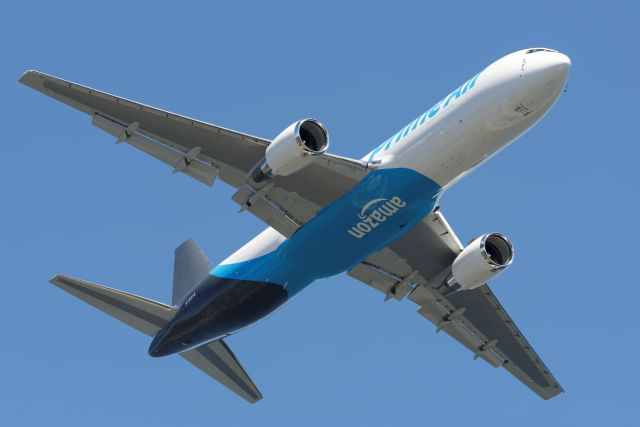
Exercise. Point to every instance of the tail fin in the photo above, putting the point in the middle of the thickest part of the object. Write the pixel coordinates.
(143, 314)
(190, 266)
(215, 359)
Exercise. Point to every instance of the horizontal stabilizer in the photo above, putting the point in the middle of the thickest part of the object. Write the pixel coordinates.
(143, 314)
(218, 361)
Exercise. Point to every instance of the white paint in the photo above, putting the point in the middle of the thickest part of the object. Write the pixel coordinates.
(484, 120)
(264, 243)
(507, 99)
(288, 152)
(474, 266)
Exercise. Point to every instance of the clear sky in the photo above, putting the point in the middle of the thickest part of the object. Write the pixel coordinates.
(73, 202)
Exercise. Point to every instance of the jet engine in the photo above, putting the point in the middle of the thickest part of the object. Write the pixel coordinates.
(483, 259)
(293, 149)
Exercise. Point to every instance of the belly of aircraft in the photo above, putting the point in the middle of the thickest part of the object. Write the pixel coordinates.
(215, 308)
(383, 206)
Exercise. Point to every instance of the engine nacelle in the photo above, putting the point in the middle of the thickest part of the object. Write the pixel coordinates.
(483, 259)
(293, 149)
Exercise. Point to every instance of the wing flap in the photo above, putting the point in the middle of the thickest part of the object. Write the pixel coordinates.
(237, 150)
(388, 273)
(281, 210)
(202, 171)
(487, 314)
(218, 361)
(438, 310)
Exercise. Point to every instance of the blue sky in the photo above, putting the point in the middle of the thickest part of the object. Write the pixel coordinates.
(73, 202)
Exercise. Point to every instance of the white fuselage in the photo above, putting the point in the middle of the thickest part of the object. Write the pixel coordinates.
(414, 167)
(507, 98)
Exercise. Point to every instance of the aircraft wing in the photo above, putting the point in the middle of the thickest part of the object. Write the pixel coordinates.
(416, 266)
(206, 152)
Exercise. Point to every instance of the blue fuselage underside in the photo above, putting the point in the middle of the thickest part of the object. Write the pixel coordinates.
(393, 201)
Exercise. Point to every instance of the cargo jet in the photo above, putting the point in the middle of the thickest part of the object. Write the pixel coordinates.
(377, 218)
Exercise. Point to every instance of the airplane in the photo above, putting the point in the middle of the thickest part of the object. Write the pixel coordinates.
(377, 218)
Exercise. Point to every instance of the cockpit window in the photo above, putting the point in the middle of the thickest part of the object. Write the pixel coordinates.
(539, 49)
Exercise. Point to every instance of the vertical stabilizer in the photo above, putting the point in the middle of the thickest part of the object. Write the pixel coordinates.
(190, 266)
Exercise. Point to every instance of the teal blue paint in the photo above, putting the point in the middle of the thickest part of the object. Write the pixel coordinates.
(328, 233)
(376, 150)
(414, 124)
(423, 117)
(399, 134)
(407, 129)
(465, 86)
(456, 93)
(473, 81)
(429, 114)
(435, 109)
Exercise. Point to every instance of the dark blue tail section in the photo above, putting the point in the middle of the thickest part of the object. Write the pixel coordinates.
(215, 308)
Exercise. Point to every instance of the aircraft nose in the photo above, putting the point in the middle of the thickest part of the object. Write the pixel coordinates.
(543, 74)
(558, 65)
(554, 72)
(563, 59)
(547, 65)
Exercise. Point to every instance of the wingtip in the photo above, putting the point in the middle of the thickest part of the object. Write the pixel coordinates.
(58, 279)
(55, 278)
(551, 392)
(29, 77)
(256, 399)
(25, 75)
